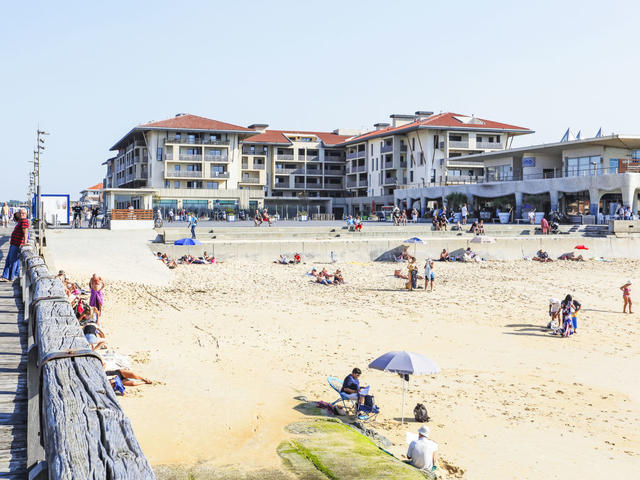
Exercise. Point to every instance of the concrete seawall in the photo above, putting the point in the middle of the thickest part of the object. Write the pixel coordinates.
(370, 249)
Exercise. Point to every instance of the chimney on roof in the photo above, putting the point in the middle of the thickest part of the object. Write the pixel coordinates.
(400, 119)
(380, 126)
(347, 132)
(260, 127)
(423, 114)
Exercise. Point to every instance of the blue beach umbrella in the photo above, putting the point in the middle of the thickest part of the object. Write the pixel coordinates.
(188, 241)
(415, 241)
(405, 364)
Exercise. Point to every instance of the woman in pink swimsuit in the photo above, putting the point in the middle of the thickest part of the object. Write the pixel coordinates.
(626, 296)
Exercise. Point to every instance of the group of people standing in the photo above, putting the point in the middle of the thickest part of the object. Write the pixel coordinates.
(564, 316)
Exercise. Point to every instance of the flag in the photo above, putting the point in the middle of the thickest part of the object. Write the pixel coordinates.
(578, 135)
(565, 137)
(599, 134)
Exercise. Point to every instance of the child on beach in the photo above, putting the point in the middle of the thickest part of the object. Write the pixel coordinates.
(626, 296)
(554, 312)
(96, 284)
(428, 274)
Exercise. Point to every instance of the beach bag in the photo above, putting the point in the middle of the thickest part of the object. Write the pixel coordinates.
(369, 405)
(420, 413)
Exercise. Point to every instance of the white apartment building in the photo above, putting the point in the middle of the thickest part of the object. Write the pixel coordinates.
(188, 162)
(304, 170)
(419, 150)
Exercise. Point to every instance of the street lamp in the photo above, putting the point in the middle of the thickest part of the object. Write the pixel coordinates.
(36, 169)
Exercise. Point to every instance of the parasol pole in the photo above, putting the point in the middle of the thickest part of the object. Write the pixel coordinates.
(402, 380)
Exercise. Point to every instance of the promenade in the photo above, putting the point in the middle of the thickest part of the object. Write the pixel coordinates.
(13, 377)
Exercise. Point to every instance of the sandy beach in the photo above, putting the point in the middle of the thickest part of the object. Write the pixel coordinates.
(230, 347)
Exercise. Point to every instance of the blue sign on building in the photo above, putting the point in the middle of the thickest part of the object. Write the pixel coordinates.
(529, 161)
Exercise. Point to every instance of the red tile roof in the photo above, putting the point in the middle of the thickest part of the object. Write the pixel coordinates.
(194, 122)
(97, 186)
(280, 137)
(441, 120)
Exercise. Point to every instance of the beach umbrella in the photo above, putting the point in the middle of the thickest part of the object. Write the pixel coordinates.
(414, 241)
(483, 239)
(405, 364)
(188, 241)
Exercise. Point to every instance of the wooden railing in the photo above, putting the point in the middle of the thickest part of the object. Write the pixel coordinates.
(127, 214)
(75, 426)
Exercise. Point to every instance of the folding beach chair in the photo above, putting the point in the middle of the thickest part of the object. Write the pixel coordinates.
(347, 401)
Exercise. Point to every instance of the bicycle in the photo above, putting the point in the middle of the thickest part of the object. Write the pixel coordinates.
(77, 222)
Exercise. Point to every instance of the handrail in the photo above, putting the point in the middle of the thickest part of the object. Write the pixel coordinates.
(127, 214)
(75, 426)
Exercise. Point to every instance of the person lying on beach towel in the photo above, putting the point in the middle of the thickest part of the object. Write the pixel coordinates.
(127, 377)
(542, 256)
(571, 256)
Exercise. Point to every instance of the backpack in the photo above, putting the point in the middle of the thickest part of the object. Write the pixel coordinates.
(420, 413)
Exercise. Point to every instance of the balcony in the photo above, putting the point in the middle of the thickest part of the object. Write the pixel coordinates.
(252, 180)
(195, 141)
(314, 171)
(489, 145)
(358, 169)
(351, 183)
(403, 148)
(363, 182)
(314, 158)
(390, 180)
(258, 166)
(217, 158)
(183, 174)
(284, 156)
(249, 152)
(386, 148)
(188, 157)
(281, 185)
(403, 164)
(334, 172)
(222, 175)
(458, 144)
(388, 164)
(358, 154)
(299, 185)
(287, 171)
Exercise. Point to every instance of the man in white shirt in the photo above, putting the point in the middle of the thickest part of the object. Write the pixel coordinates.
(464, 213)
(422, 452)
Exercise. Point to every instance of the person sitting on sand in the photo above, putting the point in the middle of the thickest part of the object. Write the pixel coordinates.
(444, 256)
(208, 258)
(542, 256)
(626, 296)
(351, 223)
(94, 335)
(266, 217)
(422, 452)
(297, 258)
(474, 228)
(338, 279)
(322, 279)
(96, 284)
(480, 227)
(470, 256)
(283, 260)
(358, 224)
(351, 385)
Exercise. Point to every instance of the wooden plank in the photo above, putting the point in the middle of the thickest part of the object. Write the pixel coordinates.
(97, 440)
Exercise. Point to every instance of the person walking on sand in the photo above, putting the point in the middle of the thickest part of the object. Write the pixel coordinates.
(19, 237)
(429, 276)
(96, 284)
(626, 296)
(171, 215)
(193, 221)
(5, 215)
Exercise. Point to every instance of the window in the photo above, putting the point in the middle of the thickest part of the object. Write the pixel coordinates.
(581, 166)
(614, 164)
(498, 138)
(455, 138)
(212, 185)
(433, 175)
(499, 172)
(176, 168)
(159, 154)
(194, 184)
(372, 149)
(436, 139)
(411, 176)
(191, 138)
(176, 184)
(413, 144)
(421, 158)
(377, 167)
(167, 184)
(194, 168)
(178, 136)
(635, 155)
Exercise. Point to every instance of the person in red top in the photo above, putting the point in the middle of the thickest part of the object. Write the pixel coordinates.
(19, 237)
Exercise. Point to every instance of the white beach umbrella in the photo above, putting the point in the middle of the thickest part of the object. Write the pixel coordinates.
(405, 364)
(483, 239)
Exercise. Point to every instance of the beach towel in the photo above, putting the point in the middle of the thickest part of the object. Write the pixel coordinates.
(118, 386)
(96, 299)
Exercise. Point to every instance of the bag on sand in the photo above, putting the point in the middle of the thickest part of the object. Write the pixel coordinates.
(420, 413)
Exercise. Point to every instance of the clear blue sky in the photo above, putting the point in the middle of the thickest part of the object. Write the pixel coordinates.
(89, 71)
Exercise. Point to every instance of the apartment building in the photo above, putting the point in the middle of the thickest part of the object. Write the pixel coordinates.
(188, 162)
(422, 149)
(299, 170)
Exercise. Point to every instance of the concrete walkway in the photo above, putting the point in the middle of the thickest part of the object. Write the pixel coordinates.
(13, 376)
(114, 255)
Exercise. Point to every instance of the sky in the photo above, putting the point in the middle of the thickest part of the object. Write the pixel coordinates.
(88, 72)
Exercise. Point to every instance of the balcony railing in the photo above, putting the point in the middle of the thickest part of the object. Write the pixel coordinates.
(219, 175)
(299, 185)
(493, 145)
(403, 164)
(351, 183)
(284, 156)
(216, 158)
(363, 182)
(314, 158)
(334, 172)
(333, 158)
(249, 152)
(281, 185)
(388, 164)
(358, 154)
(403, 148)
(390, 180)
(360, 168)
(386, 148)
(188, 157)
(249, 180)
(314, 171)
(458, 144)
(258, 166)
(183, 174)
(196, 141)
(287, 171)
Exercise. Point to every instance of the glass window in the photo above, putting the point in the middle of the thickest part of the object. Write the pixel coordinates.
(635, 154)
(159, 154)
(176, 168)
(167, 184)
(176, 184)
(212, 185)
(613, 165)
